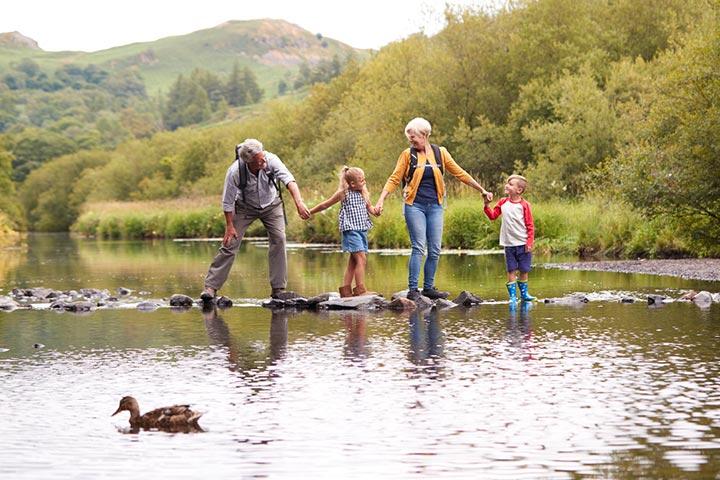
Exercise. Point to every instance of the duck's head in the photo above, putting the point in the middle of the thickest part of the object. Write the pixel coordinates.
(127, 403)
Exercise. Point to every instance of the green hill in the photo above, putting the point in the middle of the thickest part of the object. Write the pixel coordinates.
(271, 48)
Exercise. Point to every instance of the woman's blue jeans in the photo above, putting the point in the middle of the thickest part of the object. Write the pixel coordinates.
(425, 226)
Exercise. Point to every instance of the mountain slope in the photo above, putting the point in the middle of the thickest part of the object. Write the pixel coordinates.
(271, 48)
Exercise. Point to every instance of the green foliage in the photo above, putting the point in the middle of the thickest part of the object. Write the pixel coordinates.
(9, 206)
(670, 167)
(52, 195)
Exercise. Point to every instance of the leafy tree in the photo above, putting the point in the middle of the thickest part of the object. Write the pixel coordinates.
(47, 194)
(8, 200)
(235, 91)
(249, 80)
(33, 147)
(670, 165)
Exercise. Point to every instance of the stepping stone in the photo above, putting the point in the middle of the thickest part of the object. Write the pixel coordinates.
(467, 299)
(361, 302)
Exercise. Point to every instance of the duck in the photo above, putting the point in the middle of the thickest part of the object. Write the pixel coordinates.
(175, 418)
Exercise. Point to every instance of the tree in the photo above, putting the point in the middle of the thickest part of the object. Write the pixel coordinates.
(249, 80)
(669, 167)
(235, 91)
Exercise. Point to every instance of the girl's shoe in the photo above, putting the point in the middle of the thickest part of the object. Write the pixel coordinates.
(345, 291)
(361, 290)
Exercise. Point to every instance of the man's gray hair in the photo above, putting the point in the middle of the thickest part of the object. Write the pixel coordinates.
(419, 126)
(249, 148)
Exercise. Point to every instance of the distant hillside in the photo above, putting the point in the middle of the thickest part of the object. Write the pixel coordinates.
(271, 48)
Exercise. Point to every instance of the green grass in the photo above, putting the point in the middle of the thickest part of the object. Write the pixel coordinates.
(592, 227)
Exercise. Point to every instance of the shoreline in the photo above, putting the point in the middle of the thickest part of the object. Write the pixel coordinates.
(707, 269)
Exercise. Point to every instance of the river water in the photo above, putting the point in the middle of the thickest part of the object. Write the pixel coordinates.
(596, 390)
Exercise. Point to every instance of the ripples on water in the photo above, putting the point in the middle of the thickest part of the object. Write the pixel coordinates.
(553, 392)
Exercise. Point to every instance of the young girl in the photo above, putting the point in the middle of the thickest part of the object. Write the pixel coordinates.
(354, 222)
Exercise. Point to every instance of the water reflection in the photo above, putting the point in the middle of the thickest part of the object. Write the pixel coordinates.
(519, 329)
(426, 341)
(356, 335)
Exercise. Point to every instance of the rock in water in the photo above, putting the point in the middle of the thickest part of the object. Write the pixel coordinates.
(655, 299)
(361, 302)
(224, 302)
(467, 299)
(703, 299)
(179, 300)
(8, 304)
(401, 303)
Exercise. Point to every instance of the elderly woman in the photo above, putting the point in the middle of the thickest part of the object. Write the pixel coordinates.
(420, 169)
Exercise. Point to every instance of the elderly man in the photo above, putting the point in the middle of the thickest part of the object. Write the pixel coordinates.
(249, 195)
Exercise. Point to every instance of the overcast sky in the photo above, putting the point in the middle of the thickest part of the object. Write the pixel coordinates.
(91, 25)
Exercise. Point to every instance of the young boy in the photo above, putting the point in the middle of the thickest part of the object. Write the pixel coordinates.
(517, 235)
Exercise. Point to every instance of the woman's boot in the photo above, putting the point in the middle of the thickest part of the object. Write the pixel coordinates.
(345, 291)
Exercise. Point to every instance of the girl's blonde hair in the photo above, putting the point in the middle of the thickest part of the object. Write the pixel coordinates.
(350, 174)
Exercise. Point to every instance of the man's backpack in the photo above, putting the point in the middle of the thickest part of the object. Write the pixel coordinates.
(242, 175)
(242, 180)
(414, 161)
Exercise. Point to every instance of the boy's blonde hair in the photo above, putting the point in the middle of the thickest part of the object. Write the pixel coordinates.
(523, 183)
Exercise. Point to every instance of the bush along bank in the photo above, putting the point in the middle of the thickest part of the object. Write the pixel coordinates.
(593, 227)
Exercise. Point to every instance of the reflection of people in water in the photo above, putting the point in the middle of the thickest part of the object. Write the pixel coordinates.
(426, 337)
(519, 329)
(356, 330)
(245, 357)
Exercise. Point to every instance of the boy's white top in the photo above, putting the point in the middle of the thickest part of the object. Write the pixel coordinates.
(513, 232)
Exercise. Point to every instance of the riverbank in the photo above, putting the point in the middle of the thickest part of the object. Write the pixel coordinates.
(589, 228)
(690, 268)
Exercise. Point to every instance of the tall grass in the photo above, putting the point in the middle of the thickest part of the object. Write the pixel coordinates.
(591, 227)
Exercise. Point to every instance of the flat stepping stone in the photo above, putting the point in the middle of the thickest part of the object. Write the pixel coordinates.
(361, 302)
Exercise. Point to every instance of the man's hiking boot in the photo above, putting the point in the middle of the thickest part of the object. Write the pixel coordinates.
(433, 293)
(208, 294)
(282, 294)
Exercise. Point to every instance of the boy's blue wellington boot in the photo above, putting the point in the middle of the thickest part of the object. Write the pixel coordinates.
(524, 295)
(512, 291)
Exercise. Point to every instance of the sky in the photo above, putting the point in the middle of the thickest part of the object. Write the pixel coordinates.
(90, 25)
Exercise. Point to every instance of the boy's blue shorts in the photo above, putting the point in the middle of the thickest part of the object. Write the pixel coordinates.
(516, 258)
(354, 241)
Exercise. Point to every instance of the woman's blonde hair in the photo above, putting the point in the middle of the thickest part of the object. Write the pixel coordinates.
(418, 125)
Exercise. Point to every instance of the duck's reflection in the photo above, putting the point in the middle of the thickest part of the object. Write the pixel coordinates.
(519, 329)
(246, 357)
(427, 340)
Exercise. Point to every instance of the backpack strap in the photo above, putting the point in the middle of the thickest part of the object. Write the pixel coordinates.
(242, 172)
(412, 166)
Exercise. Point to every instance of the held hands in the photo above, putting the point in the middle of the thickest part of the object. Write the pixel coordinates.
(378, 208)
(303, 210)
(487, 196)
